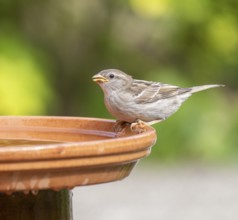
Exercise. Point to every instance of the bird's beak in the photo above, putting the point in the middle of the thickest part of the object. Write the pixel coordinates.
(99, 79)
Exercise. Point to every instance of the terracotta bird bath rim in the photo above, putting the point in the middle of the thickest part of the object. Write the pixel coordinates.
(43, 152)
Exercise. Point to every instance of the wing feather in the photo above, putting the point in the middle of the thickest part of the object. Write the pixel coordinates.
(147, 92)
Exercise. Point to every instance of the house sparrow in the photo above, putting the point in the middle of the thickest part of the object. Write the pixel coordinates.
(138, 102)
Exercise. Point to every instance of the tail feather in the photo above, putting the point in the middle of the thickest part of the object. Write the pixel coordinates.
(204, 87)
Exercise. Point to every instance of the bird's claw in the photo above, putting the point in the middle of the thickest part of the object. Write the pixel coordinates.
(119, 126)
(138, 126)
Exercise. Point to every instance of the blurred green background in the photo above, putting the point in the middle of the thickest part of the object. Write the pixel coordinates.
(49, 50)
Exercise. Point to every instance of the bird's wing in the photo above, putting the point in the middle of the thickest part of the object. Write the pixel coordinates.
(147, 92)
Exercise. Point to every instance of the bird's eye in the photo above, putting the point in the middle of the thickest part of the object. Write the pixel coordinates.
(111, 76)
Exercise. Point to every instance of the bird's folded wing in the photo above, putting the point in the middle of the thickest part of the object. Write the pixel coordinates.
(147, 92)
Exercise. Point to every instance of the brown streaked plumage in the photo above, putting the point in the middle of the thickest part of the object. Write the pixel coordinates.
(130, 100)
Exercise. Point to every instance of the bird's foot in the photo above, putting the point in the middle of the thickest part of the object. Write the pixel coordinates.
(120, 126)
(138, 126)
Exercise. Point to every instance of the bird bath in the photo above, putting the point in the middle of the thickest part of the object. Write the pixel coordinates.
(43, 158)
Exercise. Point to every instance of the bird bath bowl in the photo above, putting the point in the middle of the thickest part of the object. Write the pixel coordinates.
(43, 158)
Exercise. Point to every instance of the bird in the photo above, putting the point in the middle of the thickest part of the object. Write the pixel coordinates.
(139, 102)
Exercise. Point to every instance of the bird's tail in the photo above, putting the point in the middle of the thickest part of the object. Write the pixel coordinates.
(204, 87)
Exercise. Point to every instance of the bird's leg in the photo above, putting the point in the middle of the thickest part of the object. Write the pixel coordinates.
(138, 126)
(120, 126)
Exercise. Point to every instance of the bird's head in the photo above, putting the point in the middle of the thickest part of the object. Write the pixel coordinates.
(112, 79)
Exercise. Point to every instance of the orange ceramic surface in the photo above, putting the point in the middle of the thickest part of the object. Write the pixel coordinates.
(63, 152)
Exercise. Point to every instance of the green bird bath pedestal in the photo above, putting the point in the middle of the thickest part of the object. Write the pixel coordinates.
(43, 158)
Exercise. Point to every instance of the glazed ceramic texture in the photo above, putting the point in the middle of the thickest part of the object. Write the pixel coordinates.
(57, 153)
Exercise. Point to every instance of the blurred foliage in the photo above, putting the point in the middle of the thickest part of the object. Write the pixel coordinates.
(50, 49)
(23, 84)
